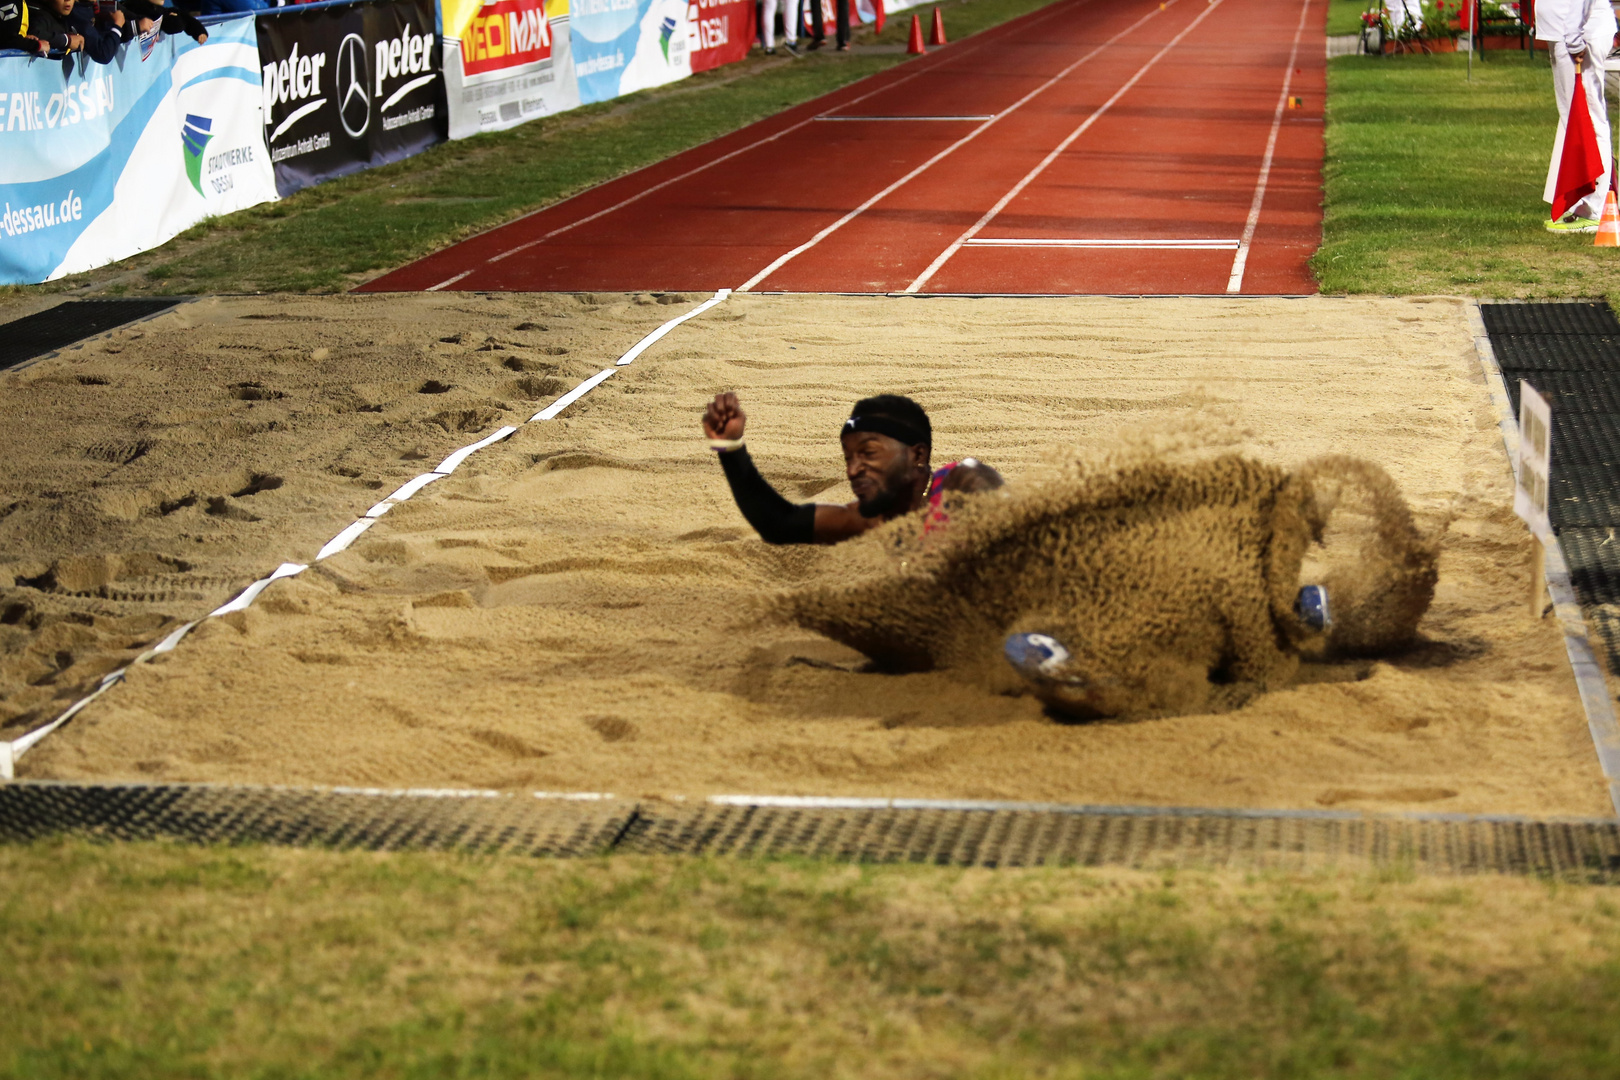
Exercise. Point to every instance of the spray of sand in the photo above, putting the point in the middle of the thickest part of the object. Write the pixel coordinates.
(1171, 580)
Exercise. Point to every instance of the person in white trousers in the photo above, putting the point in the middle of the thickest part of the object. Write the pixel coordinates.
(1581, 30)
(790, 28)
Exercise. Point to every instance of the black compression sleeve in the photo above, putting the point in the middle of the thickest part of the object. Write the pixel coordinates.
(775, 519)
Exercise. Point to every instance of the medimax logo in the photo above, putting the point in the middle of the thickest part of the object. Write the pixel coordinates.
(504, 35)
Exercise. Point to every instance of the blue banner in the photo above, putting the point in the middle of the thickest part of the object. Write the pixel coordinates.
(625, 45)
(99, 162)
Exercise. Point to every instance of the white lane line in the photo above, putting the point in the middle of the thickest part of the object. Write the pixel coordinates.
(251, 593)
(950, 57)
(1001, 204)
(11, 751)
(453, 462)
(447, 282)
(1590, 682)
(1241, 261)
(783, 260)
(1179, 245)
(837, 119)
(646, 342)
(550, 411)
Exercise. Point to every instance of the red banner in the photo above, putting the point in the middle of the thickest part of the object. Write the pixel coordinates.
(506, 34)
(722, 31)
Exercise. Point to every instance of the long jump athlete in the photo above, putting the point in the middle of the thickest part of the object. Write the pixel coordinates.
(887, 443)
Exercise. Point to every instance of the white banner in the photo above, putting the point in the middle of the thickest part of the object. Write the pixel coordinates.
(514, 62)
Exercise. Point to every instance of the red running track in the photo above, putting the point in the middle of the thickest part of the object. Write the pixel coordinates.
(1094, 146)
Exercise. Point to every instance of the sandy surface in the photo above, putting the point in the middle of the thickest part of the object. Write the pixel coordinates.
(574, 610)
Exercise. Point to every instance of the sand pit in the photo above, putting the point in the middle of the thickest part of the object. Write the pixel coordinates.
(580, 608)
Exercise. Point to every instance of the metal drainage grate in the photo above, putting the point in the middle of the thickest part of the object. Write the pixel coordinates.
(46, 331)
(381, 821)
(1007, 835)
(1138, 837)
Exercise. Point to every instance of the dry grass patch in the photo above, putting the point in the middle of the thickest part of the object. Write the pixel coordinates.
(156, 960)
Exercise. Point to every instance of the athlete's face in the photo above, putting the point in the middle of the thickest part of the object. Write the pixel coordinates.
(882, 472)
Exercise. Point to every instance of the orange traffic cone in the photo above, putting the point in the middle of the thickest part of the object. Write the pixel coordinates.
(915, 46)
(937, 37)
(1608, 234)
(879, 18)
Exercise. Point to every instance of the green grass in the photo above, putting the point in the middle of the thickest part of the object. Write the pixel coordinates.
(337, 234)
(1433, 183)
(148, 960)
(1344, 16)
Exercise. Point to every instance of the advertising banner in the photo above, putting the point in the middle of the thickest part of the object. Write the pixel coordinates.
(621, 46)
(100, 162)
(349, 88)
(722, 31)
(513, 62)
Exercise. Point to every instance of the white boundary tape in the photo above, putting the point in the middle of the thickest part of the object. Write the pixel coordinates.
(1589, 677)
(11, 751)
(847, 802)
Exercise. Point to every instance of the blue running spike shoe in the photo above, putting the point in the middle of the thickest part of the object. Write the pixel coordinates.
(1036, 656)
(1312, 607)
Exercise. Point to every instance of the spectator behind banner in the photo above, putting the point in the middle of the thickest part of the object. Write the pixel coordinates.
(69, 26)
(234, 7)
(146, 15)
(16, 31)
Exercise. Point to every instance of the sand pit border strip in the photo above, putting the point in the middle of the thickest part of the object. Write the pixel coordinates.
(11, 751)
(918, 831)
(847, 802)
(1589, 675)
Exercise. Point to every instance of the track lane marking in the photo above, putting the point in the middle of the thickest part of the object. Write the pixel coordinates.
(949, 58)
(827, 119)
(447, 282)
(1031, 242)
(782, 260)
(1001, 204)
(1240, 261)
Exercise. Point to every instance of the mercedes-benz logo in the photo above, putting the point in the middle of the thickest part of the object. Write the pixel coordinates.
(353, 77)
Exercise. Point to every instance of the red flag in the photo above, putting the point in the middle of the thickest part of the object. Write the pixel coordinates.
(1580, 166)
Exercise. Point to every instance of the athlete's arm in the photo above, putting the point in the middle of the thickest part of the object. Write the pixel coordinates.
(775, 519)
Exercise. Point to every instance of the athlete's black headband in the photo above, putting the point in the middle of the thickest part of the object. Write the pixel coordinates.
(885, 425)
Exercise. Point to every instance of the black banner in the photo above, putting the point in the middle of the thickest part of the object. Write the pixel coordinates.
(349, 88)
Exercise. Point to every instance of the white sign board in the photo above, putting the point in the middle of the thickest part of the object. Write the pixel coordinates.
(1535, 457)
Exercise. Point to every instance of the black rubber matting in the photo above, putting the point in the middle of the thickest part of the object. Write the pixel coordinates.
(1570, 352)
(1583, 491)
(1557, 352)
(1571, 391)
(1593, 556)
(1571, 317)
(74, 320)
(1141, 837)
